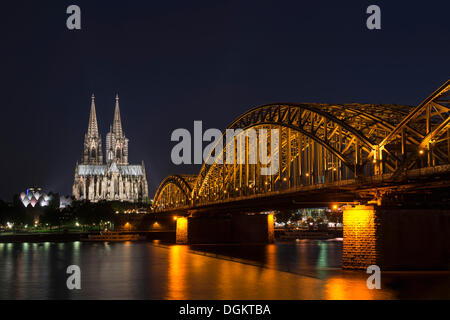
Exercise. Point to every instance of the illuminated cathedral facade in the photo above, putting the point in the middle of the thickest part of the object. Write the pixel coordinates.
(111, 177)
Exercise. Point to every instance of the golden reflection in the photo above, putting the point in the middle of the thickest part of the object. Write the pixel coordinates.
(352, 288)
(271, 255)
(177, 272)
(224, 275)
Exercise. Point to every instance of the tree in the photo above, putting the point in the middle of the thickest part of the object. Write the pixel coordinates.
(50, 216)
(55, 200)
(334, 216)
(89, 213)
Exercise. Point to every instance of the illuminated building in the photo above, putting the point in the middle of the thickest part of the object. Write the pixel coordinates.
(117, 179)
(35, 197)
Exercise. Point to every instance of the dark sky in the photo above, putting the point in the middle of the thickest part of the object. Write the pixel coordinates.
(173, 62)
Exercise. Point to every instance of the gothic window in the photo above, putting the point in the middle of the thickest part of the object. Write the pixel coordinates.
(118, 153)
(93, 153)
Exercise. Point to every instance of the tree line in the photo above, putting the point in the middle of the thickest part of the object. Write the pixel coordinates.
(79, 213)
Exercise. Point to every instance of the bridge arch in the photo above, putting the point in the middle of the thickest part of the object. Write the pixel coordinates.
(427, 126)
(174, 191)
(345, 135)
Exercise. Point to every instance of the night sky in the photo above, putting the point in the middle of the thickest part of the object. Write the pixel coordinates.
(173, 62)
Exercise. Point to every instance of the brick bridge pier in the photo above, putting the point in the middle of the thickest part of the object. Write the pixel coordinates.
(396, 238)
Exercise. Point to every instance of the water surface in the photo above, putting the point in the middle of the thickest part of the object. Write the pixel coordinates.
(307, 269)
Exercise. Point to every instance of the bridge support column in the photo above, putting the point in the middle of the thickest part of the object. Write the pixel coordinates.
(402, 239)
(240, 228)
(361, 237)
(182, 231)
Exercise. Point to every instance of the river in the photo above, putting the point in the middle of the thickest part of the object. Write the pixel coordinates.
(306, 269)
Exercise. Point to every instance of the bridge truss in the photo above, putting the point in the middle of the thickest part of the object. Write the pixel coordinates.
(317, 144)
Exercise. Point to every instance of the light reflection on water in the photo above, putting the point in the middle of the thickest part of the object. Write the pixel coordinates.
(308, 269)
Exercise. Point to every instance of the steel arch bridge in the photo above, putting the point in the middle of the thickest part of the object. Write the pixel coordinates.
(317, 144)
(174, 191)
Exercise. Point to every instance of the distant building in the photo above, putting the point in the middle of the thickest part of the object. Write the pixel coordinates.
(65, 202)
(117, 179)
(35, 197)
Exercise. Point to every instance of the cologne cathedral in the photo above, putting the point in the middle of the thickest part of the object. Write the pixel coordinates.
(114, 179)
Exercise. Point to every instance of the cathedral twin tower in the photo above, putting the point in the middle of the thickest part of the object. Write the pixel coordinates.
(115, 180)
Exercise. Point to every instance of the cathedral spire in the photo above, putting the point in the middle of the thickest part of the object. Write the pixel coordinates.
(93, 126)
(92, 151)
(117, 123)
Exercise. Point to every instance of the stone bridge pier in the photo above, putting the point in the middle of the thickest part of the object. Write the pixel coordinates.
(233, 228)
(406, 239)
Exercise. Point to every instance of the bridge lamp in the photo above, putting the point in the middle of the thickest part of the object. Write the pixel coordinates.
(175, 218)
(266, 183)
(421, 151)
(237, 189)
(307, 174)
(334, 169)
(284, 179)
(335, 207)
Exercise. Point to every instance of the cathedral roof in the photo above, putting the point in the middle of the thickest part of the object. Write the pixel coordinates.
(101, 170)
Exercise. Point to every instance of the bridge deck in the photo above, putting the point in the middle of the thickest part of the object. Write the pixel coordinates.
(324, 194)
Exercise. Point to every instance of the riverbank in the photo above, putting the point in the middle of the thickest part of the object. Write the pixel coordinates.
(300, 234)
(163, 235)
(43, 237)
(75, 236)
